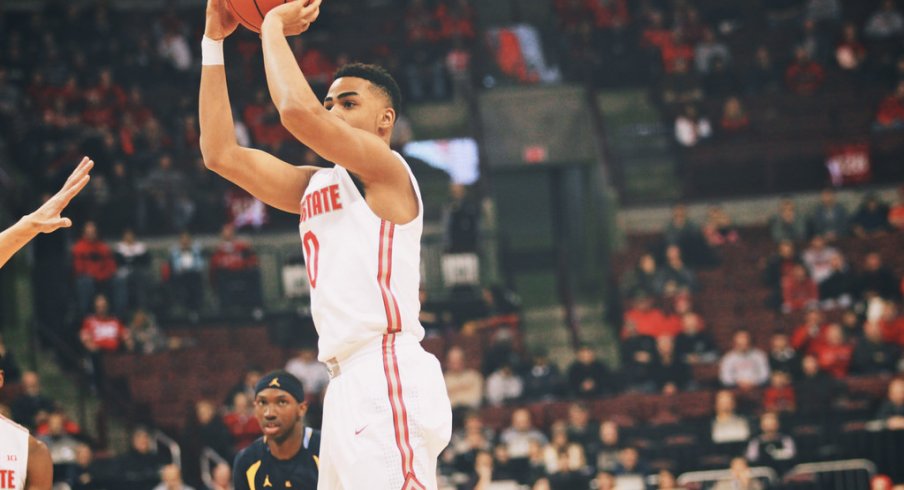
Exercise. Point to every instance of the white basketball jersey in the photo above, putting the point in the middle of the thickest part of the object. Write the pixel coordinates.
(13, 455)
(364, 271)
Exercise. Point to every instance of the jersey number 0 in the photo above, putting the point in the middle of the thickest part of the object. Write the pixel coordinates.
(312, 251)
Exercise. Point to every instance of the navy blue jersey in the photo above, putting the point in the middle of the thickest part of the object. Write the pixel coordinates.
(256, 469)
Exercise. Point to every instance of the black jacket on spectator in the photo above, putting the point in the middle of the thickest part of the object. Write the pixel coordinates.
(817, 394)
(838, 284)
(635, 372)
(139, 471)
(543, 382)
(26, 407)
(889, 410)
(873, 358)
(677, 373)
(699, 344)
(881, 281)
(596, 371)
(786, 361)
(570, 480)
(872, 220)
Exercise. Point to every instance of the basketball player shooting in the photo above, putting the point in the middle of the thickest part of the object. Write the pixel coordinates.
(386, 413)
(45, 219)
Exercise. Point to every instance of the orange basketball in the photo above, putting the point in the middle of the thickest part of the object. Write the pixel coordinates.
(251, 12)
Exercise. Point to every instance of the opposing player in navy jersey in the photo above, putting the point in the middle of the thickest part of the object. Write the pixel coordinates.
(287, 456)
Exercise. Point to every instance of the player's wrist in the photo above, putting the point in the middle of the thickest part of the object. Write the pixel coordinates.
(212, 51)
(29, 223)
(272, 21)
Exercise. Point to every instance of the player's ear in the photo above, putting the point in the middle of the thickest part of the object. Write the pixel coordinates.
(302, 409)
(1, 378)
(387, 118)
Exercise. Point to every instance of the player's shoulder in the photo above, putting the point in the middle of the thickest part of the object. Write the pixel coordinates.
(250, 455)
(8, 423)
(37, 450)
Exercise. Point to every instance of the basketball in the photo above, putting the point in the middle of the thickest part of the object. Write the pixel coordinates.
(250, 13)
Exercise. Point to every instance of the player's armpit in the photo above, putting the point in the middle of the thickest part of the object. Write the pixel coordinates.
(40, 467)
(275, 182)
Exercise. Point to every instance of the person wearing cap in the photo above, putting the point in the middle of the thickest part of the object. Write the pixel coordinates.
(288, 454)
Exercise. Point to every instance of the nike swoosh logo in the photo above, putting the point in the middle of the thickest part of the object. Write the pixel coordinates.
(360, 430)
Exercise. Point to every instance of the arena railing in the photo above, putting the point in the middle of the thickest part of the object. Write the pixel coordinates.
(171, 445)
(850, 474)
(762, 473)
(210, 459)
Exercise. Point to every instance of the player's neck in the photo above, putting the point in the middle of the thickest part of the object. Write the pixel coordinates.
(288, 447)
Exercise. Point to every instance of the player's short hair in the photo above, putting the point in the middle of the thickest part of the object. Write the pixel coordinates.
(376, 75)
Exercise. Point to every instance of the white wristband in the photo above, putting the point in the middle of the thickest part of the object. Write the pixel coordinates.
(211, 52)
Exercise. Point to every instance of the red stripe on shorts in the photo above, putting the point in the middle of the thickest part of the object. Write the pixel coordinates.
(399, 412)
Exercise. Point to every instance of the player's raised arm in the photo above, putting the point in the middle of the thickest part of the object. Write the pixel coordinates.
(46, 218)
(273, 181)
(364, 153)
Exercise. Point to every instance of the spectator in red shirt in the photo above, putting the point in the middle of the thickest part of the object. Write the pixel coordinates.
(101, 333)
(804, 76)
(456, 20)
(420, 25)
(676, 49)
(109, 92)
(240, 421)
(95, 270)
(608, 14)
(234, 272)
(651, 321)
(655, 35)
(318, 68)
(798, 290)
(834, 355)
(808, 336)
(892, 324)
(896, 213)
(779, 396)
(891, 110)
(734, 117)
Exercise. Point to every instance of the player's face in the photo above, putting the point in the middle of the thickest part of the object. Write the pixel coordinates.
(360, 104)
(278, 413)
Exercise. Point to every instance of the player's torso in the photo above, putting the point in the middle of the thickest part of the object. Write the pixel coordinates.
(13, 455)
(264, 471)
(364, 271)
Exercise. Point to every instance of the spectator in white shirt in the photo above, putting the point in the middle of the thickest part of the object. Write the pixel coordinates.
(503, 386)
(744, 366)
(818, 258)
(886, 22)
(519, 436)
(691, 128)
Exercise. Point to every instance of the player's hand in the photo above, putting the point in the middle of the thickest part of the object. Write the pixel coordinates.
(295, 16)
(220, 22)
(47, 218)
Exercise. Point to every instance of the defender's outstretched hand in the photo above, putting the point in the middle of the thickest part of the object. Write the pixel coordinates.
(295, 16)
(220, 22)
(48, 217)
